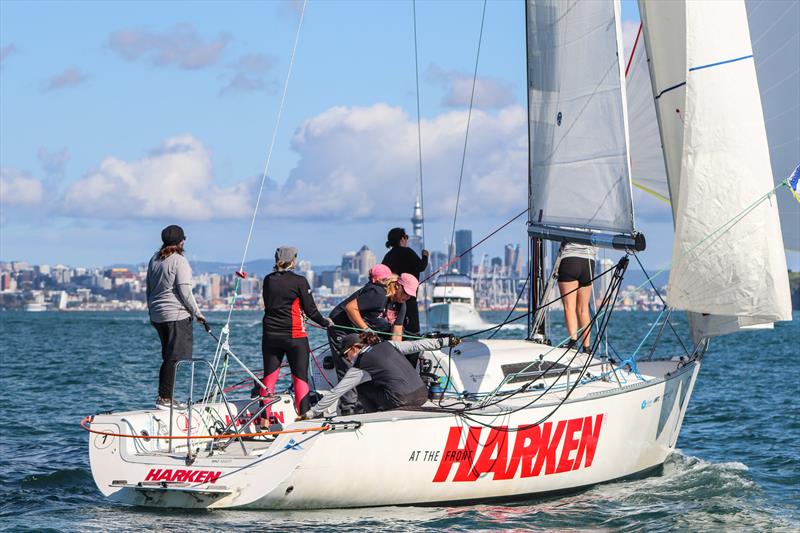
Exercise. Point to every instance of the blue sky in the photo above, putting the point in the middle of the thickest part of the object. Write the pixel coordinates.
(119, 118)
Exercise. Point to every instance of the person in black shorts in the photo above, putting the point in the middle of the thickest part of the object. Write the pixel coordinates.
(287, 302)
(576, 272)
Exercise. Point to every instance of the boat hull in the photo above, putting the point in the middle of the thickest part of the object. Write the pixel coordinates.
(454, 316)
(405, 457)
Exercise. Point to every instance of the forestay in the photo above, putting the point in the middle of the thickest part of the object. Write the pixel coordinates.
(580, 172)
(725, 167)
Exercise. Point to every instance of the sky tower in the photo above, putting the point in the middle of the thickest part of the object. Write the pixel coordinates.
(415, 239)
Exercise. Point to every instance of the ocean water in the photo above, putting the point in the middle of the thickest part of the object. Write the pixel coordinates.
(736, 468)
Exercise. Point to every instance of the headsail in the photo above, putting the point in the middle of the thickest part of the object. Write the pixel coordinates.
(775, 39)
(775, 36)
(579, 161)
(718, 165)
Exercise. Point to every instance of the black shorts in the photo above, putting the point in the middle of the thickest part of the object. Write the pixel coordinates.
(577, 269)
(176, 339)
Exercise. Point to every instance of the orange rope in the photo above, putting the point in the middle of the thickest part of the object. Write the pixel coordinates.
(87, 420)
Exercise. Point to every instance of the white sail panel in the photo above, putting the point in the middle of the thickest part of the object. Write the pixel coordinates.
(665, 44)
(741, 271)
(775, 36)
(580, 173)
(647, 159)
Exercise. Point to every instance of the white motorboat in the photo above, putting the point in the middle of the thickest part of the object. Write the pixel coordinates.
(519, 417)
(453, 304)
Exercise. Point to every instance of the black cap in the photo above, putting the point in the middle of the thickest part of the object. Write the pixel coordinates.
(349, 340)
(394, 236)
(172, 235)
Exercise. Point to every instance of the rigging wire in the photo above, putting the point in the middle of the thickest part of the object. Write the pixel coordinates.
(419, 150)
(466, 135)
(271, 148)
(222, 341)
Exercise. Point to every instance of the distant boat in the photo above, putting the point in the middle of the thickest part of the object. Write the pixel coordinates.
(453, 304)
(37, 305)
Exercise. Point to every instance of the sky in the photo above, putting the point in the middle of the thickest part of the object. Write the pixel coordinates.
(117, 119)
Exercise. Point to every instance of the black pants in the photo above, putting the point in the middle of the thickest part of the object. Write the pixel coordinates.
(176, 344)
(349, 400)
(296, 351)
(375, 398)
(411, 327)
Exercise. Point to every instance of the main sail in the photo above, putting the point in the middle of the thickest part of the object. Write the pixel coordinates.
(728, 270)
(579, 154)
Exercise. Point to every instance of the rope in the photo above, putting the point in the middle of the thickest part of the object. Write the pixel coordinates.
(466, 135)
(88, 420)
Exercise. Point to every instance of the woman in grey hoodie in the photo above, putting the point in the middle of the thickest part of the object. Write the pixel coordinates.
(171, 305)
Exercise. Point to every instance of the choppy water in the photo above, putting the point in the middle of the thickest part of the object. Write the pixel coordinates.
(736, 468)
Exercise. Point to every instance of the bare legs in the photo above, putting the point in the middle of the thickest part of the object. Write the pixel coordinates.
(576, 309)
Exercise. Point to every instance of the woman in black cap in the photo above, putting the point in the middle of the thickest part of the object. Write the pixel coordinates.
(403, 260)
(171, 306)
(287, 302)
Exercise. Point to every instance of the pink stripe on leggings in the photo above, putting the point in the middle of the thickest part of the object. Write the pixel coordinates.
(300, 391)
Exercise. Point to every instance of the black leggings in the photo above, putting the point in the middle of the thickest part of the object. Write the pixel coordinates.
(297, 352)
(176, 344)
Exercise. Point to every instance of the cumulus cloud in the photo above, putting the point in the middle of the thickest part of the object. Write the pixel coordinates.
(7, 51)
(249, 75)
(490, 93)
(69, 78)
(18, 188)
(53, 163)
(361, 162)
(175, 180)
(181, 47)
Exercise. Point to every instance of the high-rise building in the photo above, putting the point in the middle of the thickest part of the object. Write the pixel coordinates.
(364, 261)
(464, 243)
(348, 262)
(304, 268)
(508, 260)
(415, 239)
(214, 282)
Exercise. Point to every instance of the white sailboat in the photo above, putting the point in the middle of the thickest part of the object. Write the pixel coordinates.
(520, 417)
(453, 304)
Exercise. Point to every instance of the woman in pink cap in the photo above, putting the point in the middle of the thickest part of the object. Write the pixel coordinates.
(379, 306)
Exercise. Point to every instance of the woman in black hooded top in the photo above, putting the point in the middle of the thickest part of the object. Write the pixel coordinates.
(403, 260)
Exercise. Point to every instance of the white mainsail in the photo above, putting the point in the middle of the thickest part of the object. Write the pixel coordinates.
(738, 274)
(580, 170)
(647, 159)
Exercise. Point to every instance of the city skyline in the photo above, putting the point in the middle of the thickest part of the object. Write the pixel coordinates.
(148, 115)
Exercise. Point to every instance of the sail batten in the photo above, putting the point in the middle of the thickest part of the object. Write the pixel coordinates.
(579, 165)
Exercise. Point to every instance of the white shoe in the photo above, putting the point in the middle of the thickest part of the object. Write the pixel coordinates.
(167, 403)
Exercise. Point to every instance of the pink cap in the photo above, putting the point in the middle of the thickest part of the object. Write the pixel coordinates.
(409, 284)
(379, 272)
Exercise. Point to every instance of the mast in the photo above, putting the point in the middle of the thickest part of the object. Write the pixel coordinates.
(535, 263)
